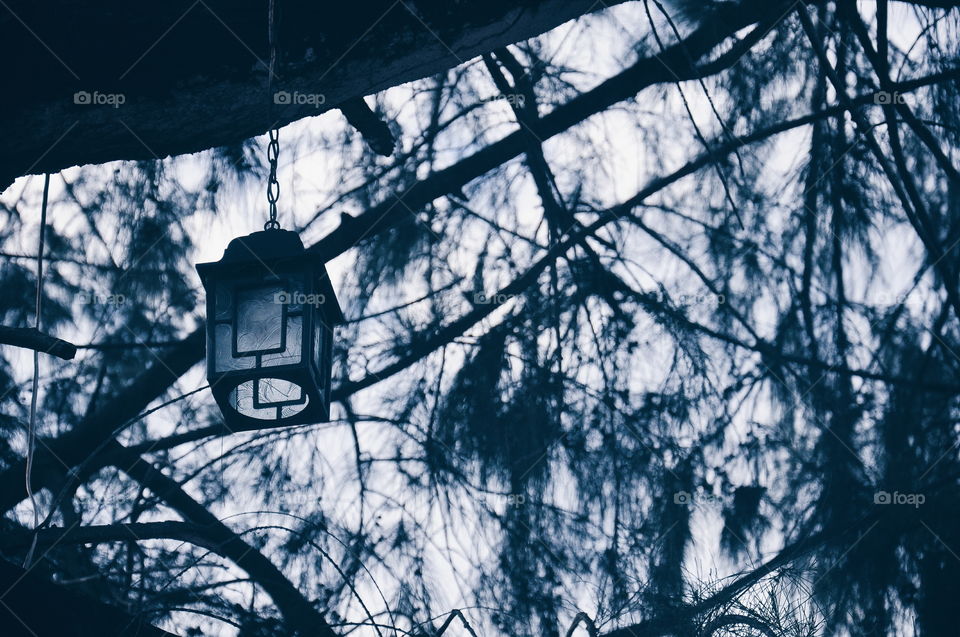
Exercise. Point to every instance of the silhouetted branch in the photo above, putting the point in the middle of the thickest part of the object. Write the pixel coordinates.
(119, 532)
(583, 618)
(31, 338)
(456, 614)
(676, 62)
(729, 619)
(36, 607)
(904, 187)
(658, 626)
(196, 93)
(212, 535)
(373, 129)
(297, 610)
(72, 447)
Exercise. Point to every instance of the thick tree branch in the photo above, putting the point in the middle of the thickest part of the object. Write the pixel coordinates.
(373, 129)
(303, 619)
(32, 605)
(119, 532)
(31, 338)
(71, 448)
(212, 535)
(182, 76)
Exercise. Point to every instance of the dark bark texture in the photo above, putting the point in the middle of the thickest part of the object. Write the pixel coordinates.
(32, 606)
(186, 75)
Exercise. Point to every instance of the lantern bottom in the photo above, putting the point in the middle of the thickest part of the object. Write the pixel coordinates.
(268, 398)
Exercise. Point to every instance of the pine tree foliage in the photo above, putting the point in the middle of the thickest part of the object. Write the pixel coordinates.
(688, 365)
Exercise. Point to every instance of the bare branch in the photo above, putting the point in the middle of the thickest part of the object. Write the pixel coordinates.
(373, 129)
(31, 338)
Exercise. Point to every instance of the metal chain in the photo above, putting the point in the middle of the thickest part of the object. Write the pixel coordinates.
(273, 186)
(273, 146)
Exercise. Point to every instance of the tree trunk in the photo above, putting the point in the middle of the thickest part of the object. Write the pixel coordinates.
(134, 81)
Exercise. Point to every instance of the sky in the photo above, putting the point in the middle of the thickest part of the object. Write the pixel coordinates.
(622, 148)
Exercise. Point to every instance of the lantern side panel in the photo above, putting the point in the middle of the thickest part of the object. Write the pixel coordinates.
(259, 319)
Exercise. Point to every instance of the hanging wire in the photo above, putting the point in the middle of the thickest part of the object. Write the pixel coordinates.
(273, 146)
(32, 426)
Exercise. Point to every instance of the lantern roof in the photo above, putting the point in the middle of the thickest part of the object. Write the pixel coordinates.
(265, 244)
(275, 246)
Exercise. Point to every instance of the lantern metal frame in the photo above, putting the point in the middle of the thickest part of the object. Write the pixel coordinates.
(271, 259)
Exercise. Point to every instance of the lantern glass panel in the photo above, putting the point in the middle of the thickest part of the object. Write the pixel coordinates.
(258, 324)
(224, 302)
(259, 320)
(268, 398)
(224, 360)
(291, 353)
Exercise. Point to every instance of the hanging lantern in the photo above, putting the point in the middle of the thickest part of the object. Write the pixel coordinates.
(271, 312)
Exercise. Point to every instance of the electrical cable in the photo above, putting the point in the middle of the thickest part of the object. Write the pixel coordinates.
(32, 426)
